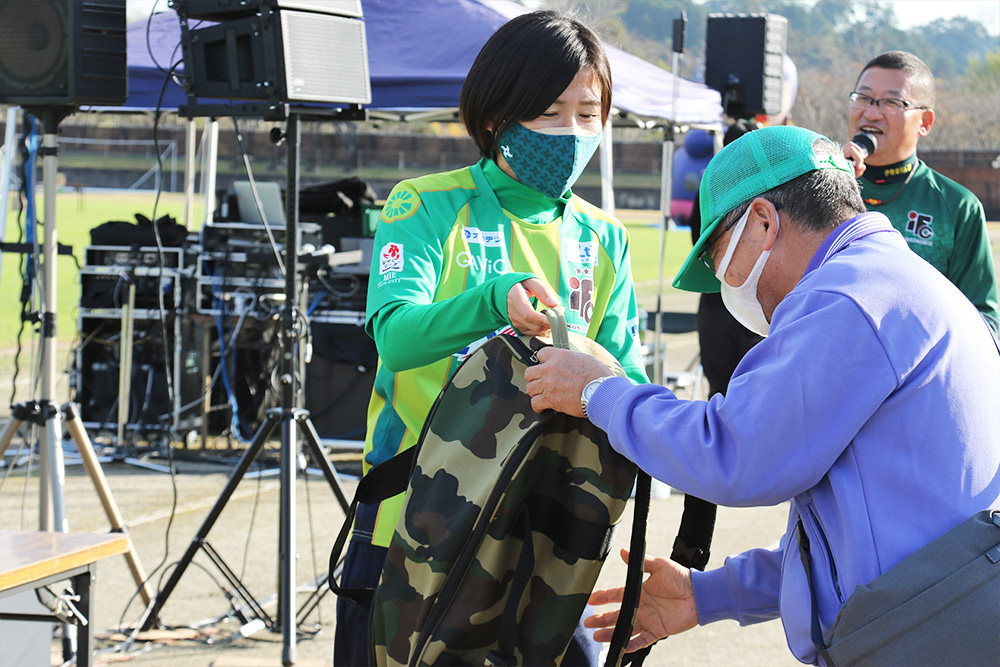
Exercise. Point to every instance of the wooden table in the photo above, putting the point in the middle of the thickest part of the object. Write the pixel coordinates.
(32, 559)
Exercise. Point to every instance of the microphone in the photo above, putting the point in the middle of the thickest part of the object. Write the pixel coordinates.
(866, 142)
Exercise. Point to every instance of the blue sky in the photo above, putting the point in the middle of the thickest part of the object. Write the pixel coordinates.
(909, 13)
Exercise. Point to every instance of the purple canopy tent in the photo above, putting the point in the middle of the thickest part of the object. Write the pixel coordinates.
(419, 54)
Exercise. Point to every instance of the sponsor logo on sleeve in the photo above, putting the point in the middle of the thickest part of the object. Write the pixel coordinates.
(633, 328)
(390, 258)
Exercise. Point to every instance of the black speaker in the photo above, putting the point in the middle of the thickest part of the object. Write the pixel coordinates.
(280, 56)
(743, 61)
(97, 368)
(63, 52)
(339, 380)
(220, 10)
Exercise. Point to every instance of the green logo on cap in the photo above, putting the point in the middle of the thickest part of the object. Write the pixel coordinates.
(835, 162)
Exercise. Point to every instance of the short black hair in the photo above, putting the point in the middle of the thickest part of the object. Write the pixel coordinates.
(921, 77)
(523, 68)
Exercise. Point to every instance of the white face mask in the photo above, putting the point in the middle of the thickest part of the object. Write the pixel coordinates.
(742, 301)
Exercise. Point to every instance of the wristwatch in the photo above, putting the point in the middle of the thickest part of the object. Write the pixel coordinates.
(588, 392)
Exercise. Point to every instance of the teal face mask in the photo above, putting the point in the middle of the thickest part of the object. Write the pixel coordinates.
(548, 160)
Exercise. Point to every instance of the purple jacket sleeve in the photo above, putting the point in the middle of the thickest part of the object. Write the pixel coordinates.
(745, 589)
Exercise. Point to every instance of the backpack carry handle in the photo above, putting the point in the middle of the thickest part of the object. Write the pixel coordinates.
(557, 322)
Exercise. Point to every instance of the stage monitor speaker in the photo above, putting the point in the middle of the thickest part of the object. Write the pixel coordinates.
(64, 53)
(744, 56)
(97, 369)
(339, 380)
(285, 55)
(220, 10)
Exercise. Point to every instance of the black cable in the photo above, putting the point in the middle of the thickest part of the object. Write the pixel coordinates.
(250, 525)
(161, 260)
(10, 468)
(26, 180)
(312, 541)
(166, 551)
(163, 335)
(256, 199)
(149, 45)
(23, 316)
(355, 284)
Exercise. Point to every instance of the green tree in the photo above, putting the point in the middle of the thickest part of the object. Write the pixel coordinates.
(829, 41)
(953, 43)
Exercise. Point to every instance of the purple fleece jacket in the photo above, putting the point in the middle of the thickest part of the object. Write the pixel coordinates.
(873, 407)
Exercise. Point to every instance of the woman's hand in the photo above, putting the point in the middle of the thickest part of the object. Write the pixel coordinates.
(666, 607)
(522, 314)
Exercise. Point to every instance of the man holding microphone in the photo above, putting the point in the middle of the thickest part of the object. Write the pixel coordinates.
(891, 108)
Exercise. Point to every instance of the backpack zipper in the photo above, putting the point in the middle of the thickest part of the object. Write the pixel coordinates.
(464, 559)
(511, 466)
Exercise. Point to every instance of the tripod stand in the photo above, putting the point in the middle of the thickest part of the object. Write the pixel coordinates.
(43, 411)
(294, 422)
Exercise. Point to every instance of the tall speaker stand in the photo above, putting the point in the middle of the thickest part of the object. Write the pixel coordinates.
(294, 423)
(43, 411)
(52, 505)
(666, 220)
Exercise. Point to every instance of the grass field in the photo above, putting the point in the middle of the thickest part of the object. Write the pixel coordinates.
(78, 213)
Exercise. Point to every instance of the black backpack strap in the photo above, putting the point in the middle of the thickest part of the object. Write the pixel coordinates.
(692, 548)
(693, 543)
(383, 481)
(633, 580)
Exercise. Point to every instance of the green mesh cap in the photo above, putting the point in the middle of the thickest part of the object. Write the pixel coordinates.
(748, 167)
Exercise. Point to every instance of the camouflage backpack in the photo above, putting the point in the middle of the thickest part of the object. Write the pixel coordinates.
(507, 520)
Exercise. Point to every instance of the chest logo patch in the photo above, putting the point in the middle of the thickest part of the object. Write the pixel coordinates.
(488, 239)
(581, 297)
(919, 224)
(478, 264)
(584, 252)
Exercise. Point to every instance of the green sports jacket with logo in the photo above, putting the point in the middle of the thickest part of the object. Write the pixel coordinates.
(944, 223)
(447, 250)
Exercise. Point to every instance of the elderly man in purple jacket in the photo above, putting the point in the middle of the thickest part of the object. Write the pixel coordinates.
(872, 405)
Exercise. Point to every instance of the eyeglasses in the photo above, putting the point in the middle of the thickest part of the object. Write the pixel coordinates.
(705, 256)
(886, 104)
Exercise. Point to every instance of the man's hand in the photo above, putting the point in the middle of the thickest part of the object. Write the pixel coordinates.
(522, 315)
(665, 608)
(558, 380)
(856, 157)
